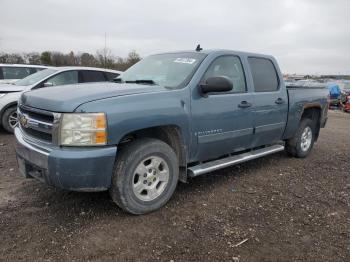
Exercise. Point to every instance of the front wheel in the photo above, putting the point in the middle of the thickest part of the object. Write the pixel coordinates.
(145, 176)
(301, 144)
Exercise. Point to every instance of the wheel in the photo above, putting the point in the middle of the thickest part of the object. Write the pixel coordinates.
(9, 119)
(301, 144)
(145, 176)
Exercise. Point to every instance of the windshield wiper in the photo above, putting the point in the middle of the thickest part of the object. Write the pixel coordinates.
(142, 81)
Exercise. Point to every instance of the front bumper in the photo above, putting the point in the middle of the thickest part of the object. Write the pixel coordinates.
(71, 168)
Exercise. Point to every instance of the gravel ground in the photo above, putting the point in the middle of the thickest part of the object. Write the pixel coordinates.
(285, 209)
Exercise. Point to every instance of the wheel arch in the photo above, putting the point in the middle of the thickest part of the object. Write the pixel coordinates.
(170, 134)
(313, 112)
(7, 107)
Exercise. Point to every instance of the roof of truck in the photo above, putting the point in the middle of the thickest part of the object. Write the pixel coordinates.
(210, 51)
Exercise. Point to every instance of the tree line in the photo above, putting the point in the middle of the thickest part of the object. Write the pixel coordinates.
(103, 58)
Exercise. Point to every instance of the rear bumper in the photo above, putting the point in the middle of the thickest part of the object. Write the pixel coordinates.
(71, 168)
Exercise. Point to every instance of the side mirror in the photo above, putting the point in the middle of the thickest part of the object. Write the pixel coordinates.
(216, 84)
(48, 84)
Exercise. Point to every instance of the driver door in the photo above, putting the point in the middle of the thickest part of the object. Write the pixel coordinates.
(223, 121)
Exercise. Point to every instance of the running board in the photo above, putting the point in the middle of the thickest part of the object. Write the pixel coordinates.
(232, 160)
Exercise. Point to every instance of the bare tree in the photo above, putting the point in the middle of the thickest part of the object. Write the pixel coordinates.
(32, 58)
(105, 58)
(87, 59)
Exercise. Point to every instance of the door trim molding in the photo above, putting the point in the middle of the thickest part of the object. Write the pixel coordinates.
(224, 135)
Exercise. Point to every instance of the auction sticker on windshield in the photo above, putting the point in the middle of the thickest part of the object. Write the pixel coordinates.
(185, 60)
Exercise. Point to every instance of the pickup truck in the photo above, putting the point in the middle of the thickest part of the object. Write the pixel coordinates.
(169, 117)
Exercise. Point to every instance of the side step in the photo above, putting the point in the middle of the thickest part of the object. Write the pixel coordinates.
(232, 160)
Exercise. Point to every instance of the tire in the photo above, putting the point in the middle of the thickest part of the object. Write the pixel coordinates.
(7, 120)
(140, 166)
(297, 146)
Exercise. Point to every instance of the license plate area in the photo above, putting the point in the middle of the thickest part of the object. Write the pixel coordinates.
(29, 170)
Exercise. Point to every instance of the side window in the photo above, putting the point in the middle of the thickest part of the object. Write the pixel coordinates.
(65, 78)
(111, 76)
(15, 72)
(231, 67)
(92, 76)
(264, 74)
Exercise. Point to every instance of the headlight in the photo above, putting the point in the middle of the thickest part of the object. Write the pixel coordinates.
(83, 129)
(1, 95)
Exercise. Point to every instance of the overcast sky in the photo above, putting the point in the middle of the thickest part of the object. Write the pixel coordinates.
(306, 36)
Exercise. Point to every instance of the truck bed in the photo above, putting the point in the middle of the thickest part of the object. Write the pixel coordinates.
(301, 97)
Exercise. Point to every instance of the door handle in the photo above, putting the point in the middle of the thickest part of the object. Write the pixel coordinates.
(244, 104)
(279, 101)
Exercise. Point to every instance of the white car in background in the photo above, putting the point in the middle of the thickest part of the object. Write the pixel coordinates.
(51, 77)
(10, 73)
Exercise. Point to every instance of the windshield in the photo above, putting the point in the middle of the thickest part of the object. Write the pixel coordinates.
(168, 70)
(34, 78)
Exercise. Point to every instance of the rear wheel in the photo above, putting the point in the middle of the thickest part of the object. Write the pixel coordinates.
(145, 176)
(9, 119)
(301, 144)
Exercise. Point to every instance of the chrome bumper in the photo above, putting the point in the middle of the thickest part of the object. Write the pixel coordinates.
(36, 155)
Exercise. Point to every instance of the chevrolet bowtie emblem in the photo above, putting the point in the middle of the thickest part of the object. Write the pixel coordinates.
(24, 121)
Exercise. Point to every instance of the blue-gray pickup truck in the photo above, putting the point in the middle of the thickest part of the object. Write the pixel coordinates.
(169, 117)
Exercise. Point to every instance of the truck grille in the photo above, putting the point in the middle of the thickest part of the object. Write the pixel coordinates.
(36, 123)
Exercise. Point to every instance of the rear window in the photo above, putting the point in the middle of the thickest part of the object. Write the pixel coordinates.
(264, 74)
(92, 76)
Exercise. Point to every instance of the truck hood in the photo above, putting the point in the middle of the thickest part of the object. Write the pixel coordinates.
(68, 98)
(8, 88)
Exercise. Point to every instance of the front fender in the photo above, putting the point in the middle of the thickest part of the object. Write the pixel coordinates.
(129, 113)
(10, 99)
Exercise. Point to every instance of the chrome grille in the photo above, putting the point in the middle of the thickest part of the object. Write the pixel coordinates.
(37, 123)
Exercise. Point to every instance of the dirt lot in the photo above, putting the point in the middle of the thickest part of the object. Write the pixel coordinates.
(288, 210)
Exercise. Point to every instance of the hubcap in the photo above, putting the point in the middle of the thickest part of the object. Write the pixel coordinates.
(13, 119)
(306, 139)
(150, 178)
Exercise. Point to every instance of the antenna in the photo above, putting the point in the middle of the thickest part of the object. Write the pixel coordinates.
(105, 51)
(198, 48)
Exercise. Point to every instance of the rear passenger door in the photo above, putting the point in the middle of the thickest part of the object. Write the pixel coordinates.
(88, 76)
(270, 106)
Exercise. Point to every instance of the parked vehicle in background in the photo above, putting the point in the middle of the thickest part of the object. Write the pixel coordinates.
(335, 96)
(51, 77)
(345, 96)
(169, 117)
(306, 83)
(10, 73)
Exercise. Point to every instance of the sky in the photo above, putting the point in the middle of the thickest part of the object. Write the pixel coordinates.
(306, 36)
